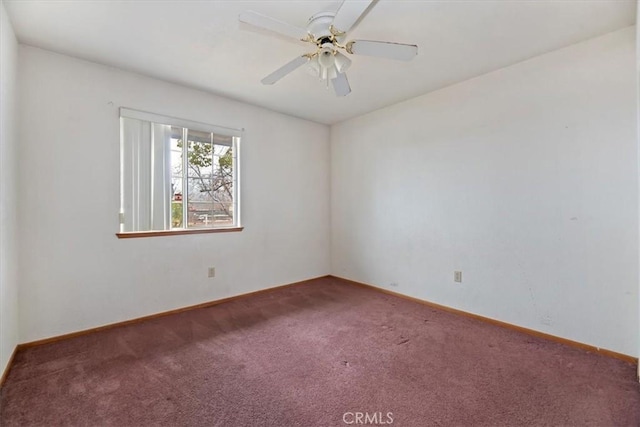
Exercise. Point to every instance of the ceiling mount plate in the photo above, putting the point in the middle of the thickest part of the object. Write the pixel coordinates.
(318, 25)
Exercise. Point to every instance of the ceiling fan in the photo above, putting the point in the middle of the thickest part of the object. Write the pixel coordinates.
(328, 31)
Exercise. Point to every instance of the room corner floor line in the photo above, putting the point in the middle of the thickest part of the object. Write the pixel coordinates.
(154, 316)
(7, 368)
(593, 349)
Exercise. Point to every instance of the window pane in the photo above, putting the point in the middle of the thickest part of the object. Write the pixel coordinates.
(223, 184)
(201, 209)
(176, 152)
(210, 182)
(177, 188)
(200, 154)
(176, 214)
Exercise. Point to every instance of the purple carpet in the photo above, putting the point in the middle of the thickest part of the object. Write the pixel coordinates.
(323, 353)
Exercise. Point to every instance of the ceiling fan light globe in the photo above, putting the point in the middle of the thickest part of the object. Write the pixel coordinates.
(325, 58)
(314, 67)
(324, 73)
(328, 73)
(332, 73)
(342, 62)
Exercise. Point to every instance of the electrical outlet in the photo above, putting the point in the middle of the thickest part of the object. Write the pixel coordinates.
(212, 272)
(457, 276)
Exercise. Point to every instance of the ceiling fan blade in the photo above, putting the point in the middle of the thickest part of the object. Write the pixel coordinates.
(271, 24)
(399, 51)
(348, 13)
(341, 85)
(285, 69)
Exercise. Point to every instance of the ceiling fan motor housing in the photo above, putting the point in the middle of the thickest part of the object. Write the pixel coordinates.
(318, 26)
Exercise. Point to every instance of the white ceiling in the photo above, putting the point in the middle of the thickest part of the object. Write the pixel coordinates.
(202, 45)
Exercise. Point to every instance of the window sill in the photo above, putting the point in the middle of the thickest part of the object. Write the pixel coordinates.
(157, 233)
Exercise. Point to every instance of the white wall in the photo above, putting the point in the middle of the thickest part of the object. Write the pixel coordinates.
(75, 273)
(526, 179)
(8, 202)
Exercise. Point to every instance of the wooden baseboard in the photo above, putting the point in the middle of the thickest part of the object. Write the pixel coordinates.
(7, 368)
(533, 332)
(157, 315)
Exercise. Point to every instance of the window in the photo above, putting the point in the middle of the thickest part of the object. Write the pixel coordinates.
(176, 176)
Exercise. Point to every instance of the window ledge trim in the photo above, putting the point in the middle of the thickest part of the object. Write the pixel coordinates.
(158, 233)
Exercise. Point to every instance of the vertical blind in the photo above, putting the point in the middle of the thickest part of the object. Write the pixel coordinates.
(146, 179)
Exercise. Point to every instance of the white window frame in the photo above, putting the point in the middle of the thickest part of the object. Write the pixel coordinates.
(236, 137)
